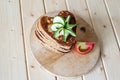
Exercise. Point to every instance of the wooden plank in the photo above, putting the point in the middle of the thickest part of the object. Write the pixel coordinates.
(110, 51)
(12, 59)
(53, 6)
(79, 7)
(113, 7)
(74, 65)
(30, 13)
(97, 73)
(68, 78)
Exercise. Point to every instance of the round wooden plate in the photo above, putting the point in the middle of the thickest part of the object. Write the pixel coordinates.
(69, 64)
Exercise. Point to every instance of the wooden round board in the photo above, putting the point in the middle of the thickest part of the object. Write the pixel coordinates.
(69, 64)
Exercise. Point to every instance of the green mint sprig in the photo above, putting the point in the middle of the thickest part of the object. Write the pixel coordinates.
(63, 27)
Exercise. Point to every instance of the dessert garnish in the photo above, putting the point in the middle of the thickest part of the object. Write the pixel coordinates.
(61, 27)
(63, 32)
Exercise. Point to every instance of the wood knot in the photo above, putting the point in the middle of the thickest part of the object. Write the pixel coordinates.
(32, 66)
(95, 13)
(9, 1)
(55, 77)
(12, 30)
(32, 14)
(86, 9)
(13, 57)
(101, 68)
(104, 55)
(104, 26)
(83, 29)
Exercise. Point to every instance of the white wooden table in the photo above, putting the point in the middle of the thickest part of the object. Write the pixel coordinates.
(17, 17)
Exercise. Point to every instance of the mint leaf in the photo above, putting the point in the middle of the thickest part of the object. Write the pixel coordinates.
(65, 35)
(64, 30)
(70, 26)
(71, 33)
(59, 19)
(57, 33)
(68, 19)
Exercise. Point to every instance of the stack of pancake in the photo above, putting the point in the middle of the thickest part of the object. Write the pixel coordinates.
(45, 36)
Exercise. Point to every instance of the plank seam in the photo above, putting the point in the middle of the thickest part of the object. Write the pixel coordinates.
(112, 24)
(23, 39)
(44, 6)
(104, 69)
(83, 78)
(66, 4)
(55, 77)
(86, 2)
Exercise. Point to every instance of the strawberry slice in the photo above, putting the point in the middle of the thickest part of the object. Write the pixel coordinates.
(84, 47)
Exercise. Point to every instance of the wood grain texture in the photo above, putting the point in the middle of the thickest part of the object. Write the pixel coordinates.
(110, 51)
(100, 17)
(81, 9)
(31, 10)
(66, 78)
(12, 59)
(70, 64)
(113, 9)
(105, 16)
(52, 7)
